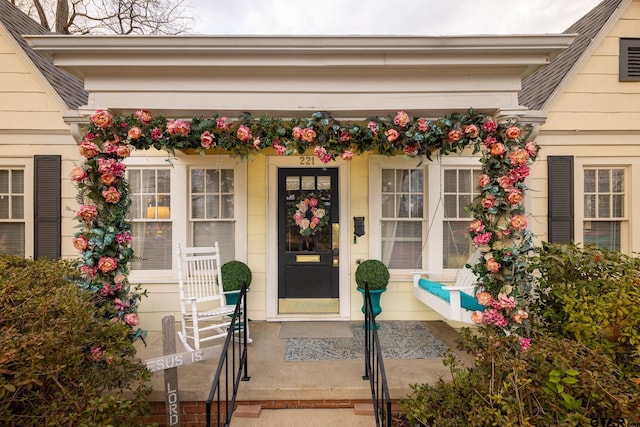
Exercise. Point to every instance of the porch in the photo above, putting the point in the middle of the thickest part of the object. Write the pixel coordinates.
(277, 383)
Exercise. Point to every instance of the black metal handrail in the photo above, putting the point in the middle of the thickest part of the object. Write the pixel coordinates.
(374, 364)
(233, 360)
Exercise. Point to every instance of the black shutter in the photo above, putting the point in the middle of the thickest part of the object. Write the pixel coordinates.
(47, 204)
(629, 60)
(560, 175)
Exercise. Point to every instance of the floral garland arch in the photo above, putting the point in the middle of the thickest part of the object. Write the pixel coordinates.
(498, 230)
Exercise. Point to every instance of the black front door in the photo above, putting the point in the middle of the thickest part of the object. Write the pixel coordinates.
(308, 236)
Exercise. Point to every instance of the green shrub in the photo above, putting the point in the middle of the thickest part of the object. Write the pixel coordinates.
(556, 381)
(591, 295)
(61, 361)
(374, 272)
(234, 274)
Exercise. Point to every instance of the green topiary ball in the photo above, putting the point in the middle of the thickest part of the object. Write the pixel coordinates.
(374, 272)
(234, 274)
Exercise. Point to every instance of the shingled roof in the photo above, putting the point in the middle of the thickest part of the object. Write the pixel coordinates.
(17, 23)
(538, 88)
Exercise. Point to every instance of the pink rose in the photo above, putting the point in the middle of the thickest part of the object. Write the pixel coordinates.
(520, 173)
(88, 149)
(476, 226)
(423, 125)
(489, 126)
(281, 150)
(373, 127)
(519, 222)
(108, 179)
(321, 153)
(308, 134)
(532, 148)
(119, 278)
(206, 139)
(519, 157)
(119, 304)
(134, 133)
(484, 180)
(124, 237)
(107, 264)
(256, 142)
(144, 116)
(297, 132)
(178, 127)
(101, 119)
(345, 136)
(132, 319)
(487, 202)
(497, 149)
(411, 150)
(391, 135)
(123, 151)
(87, 213)
(346, 155)
(106, 290)
(525, 343)
(482, 239)
(313, 202)
(156, 134)
(476, 317)
(222, 123)
(492, 265)
(401, 119)
(484, 298)
(505, 182)
(81, 242)
(471, 131)
(489, 141)
(514, 197)
(512, 132)
(519, 316)
(89, 271)
(454, 135)
(111, 195)
(78, 174)
(243, 133)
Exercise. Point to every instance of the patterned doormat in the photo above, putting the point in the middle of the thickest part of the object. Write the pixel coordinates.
(398, 339)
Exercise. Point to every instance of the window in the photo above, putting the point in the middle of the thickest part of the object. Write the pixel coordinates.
(12, 207)
(604, 207)
(150, 211)
(212, 209)
(459, 188)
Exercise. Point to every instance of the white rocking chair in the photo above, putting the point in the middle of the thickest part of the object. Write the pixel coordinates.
(205, 315)
(454, 302)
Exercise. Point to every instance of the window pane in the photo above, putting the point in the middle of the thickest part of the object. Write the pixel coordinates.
(4, 207)
(213, 181)
(134, 179)
(617, 176)
(324, 182)
(152, 245)
(148, 181)
(164, 182)
(402, 244)
(590, 181)
(17, 182)
(197, 206)
(603, 181)
(388, 181)
(12, 238)
(402, 183)
(450, 206)
(213, 206)
(4, 181)
(605, 234)
(618, 205)
(227, 207)
(604, 206)
(17, 207)
(590, 205)
(417, 205)
(207, 233)
(464, 180)
(197, 181)
(388, 206)
(293, 183)
(450, 181)
(463, 202)
(308, 182)
(402, 201)
(457, 245)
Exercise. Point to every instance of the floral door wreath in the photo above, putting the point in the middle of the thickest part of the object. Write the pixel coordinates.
(309, 213)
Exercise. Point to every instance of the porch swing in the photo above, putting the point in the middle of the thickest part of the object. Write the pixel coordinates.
(454, 302)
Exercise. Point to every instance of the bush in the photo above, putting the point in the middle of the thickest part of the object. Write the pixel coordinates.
(61, 361)
(234, 274)
(374, 272)
(556, 382)
(591, 295)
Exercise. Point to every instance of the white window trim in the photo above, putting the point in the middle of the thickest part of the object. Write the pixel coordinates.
(580, 164)
(180, 167)
(434, 216)
(26, 164)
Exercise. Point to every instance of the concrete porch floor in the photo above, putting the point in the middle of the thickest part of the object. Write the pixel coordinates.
(279, 384)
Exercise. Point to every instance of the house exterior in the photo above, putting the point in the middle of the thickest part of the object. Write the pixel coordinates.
(195, 200)
(38, 150)
(589, 166)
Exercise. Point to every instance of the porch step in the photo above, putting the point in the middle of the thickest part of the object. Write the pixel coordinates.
(305, 417)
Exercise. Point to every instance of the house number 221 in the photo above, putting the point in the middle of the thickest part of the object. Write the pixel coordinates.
(307, 160)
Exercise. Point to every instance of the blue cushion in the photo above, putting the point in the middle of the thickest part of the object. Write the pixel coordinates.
(467, 301)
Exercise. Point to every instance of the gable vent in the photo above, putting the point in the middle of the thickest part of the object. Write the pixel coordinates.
(629, 60)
